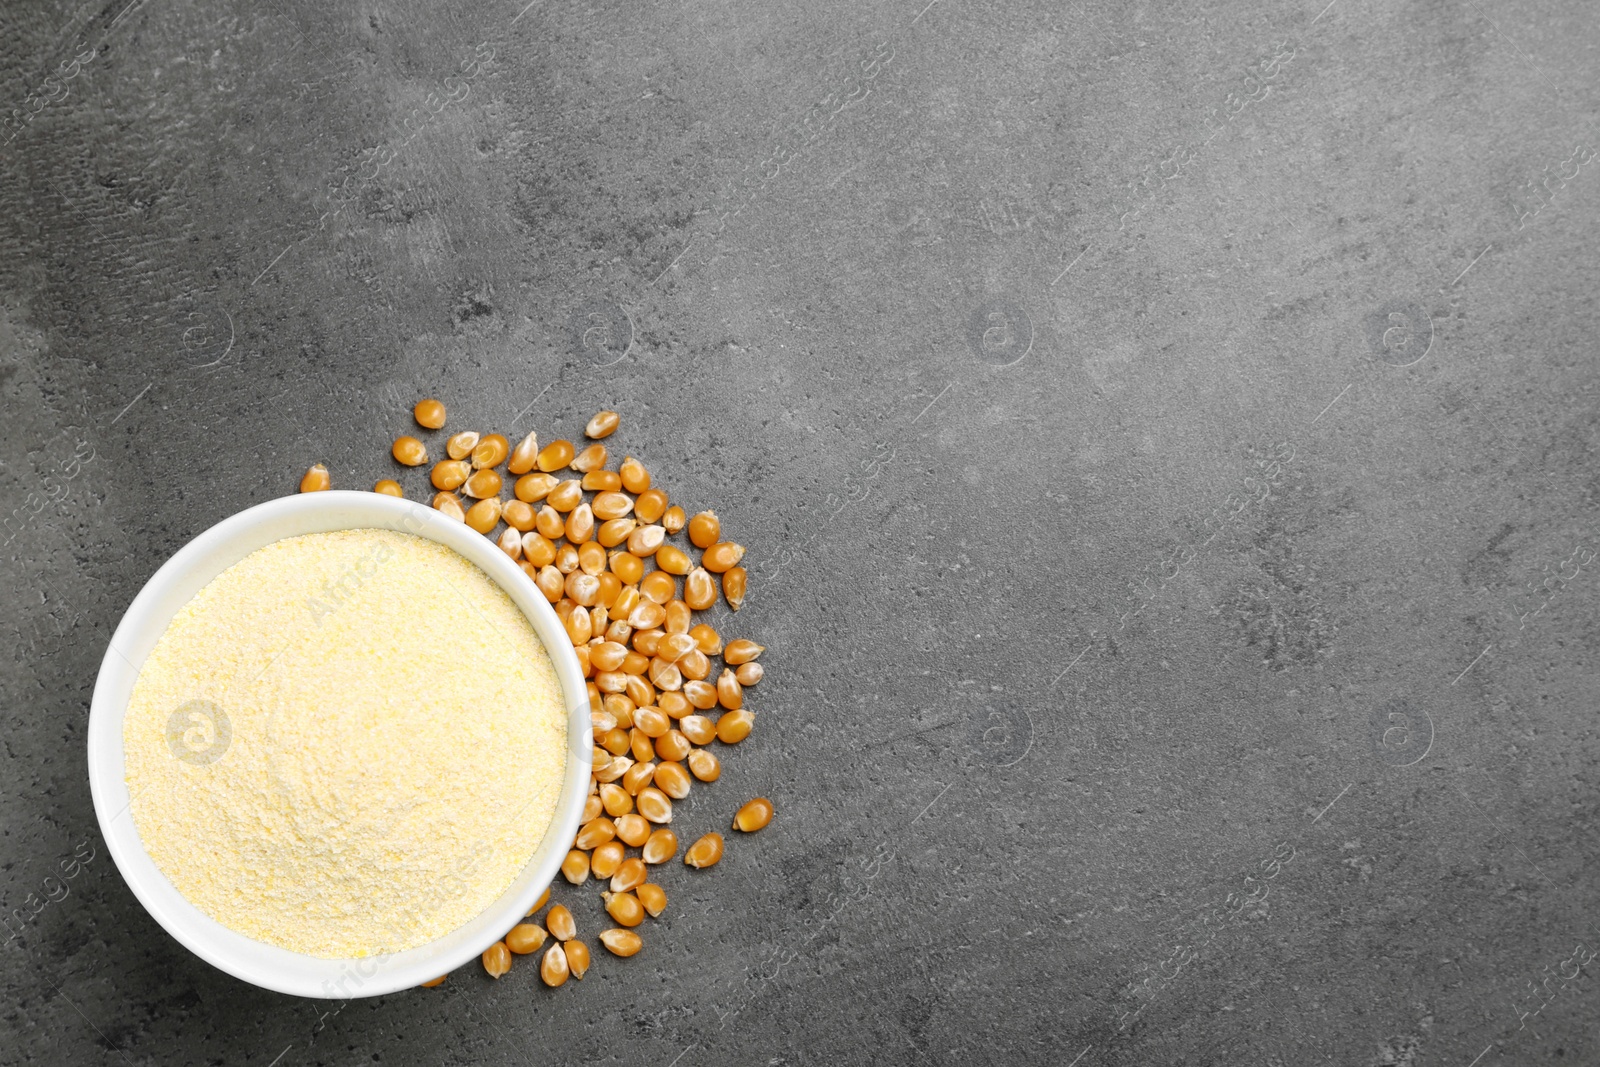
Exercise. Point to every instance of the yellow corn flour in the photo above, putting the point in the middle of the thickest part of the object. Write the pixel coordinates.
(347, 744)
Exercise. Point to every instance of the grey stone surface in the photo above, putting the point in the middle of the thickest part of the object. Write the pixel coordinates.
(1165, 436)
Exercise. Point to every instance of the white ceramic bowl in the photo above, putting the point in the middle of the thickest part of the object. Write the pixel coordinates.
(184, 575)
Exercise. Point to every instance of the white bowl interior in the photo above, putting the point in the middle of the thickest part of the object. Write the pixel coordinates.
(184, 575)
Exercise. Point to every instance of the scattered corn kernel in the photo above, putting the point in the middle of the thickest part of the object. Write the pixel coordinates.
(741, 650)
(633, 829)
(447, 504)
(525, 938)
(554, 970)
(704, 852)
(754, 815)
(635, 479)
(622, 943)
(388, 487)
(651, 505)
(484, 515)
(705, 529)
(315, 480)
(448, 474)
(560, 923)
(483, 483)
(606, 859)
(460, 445)
(575, 868)
(604, 424)
(525, 455)
(705, 765)
(624, 908)
(554, 456)
(749, 673)
(699, 589)
(409, 451)
(653, 897)
(629, 875)
(591, 458)
(577, 958)
(733, 587)
(661, 846)
(532, 488)
(497, 959)
(653, 804)
(429, 414)
(734, 726)
(672, 779)
(491, 451)
(722, 556)
(673, 519)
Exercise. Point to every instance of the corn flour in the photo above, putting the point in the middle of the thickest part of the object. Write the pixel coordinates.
(347, 744)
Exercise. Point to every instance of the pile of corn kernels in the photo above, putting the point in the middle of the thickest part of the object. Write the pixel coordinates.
(597, 547)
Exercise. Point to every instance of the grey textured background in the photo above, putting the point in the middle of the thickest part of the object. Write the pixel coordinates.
(1115, 571)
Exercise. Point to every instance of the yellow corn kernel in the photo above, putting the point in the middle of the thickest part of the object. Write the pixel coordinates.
(517, 514)
(577, 958)
(575, 868)
(661, 846)
(653, 897)
(525, 455)
(673, 560)
(608, 506)
(630, 875)
(566, 495)
(591, 458)
(672, 779)
(604, 424)
(722, 556)
(429, 414)
(673, 519)
(491, 451)
(601, 481)
(659, 587)
(672, 745)
(389, 487)
(315, 479)
(733, 587)
(653, 804)
(532, 488)
(698, 729)
(753, 815)
(525, 938)
(497, 959)
(705, 529)
(614, 532)
(633, 829)
(550, 523)
(734, 726)
(606, 859)
(636, 777)
(558, 920)
(554, 970)
(705, 765)
(447, 504)
(742, 650)
(554, 456)
(409, 451)
(645, 540)
(482, 483)
(651, 505)
(704, 852)
(624, 908)
(449, 474)
(699, 588)
(622, 943)
(702, 695)
(705, 636)
(635, 479)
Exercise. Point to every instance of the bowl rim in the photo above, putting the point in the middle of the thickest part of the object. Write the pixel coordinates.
(146, 619)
